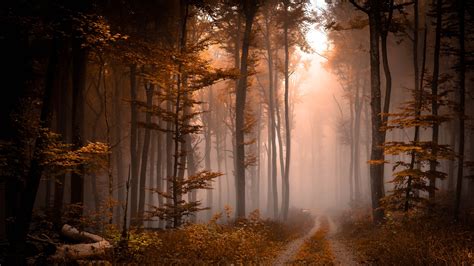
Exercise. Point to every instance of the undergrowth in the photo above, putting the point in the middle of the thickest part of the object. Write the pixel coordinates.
(409, 239)
(245, 241)
(316, 250)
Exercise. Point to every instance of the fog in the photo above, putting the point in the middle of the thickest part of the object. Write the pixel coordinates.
(160, 113)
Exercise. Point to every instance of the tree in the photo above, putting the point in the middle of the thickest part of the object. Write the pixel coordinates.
(249, 9)
(375, 12)
(410, 180)
(434, 91)
(462, 101)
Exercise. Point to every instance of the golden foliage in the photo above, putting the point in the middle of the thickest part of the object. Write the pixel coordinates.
(59, 157)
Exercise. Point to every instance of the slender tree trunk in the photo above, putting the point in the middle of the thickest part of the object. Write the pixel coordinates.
(388, 78)
(63, 116)
(286, 176)
(159, 166)
(150, 199)
(376, 156)
(250, 8)
(207, 151)
(149, 89)
(78, 87)
(451, 164)
(133, 144)
(256, 187)
(218, 149)
(351, 155)
(272, 170)
(269, 164)
(95, 193)
(118, 146)
(357, 122)
(226, 167)
(169, 153)
(280, 141)
(386, 66)
(192, 197)
(367, 128)
(26, 195)
(434, 95)
(180, 151)
(110, 176)
(93, 177)
(418, 87)
(462, 100)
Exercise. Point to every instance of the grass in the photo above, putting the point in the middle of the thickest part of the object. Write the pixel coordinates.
(409, 239)
(246, 241)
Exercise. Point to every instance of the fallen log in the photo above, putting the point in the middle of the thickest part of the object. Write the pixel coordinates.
(95, 246)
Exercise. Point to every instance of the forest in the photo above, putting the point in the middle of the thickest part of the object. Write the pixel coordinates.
(269, 132)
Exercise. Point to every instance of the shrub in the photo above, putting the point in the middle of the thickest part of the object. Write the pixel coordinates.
(244, 241)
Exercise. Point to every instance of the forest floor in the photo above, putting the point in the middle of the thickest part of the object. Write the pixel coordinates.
(417, 238)
(319, 246)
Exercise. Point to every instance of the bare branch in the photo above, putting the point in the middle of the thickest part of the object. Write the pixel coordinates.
(354, 3)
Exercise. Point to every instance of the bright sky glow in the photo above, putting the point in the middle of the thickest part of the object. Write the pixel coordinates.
(316, 37)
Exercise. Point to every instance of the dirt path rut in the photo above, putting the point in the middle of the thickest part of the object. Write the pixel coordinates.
(293, 247)
(342, 254)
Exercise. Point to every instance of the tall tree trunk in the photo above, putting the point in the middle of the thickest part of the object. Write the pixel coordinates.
(27, 191)
(159, 166)
(434, 99)
(357, 122)
(256, 187)
(376, 154)
(451, 163)
(192, 196)
(386, 66)
(152, 172)
(250, 8)
(207, 151)
(462, 100)
(169, 153)
(110, 175)
(133, 144)
(94, 179)
(277, 128)
(149, 89)
(63, 116)
(269, 164)
(226, 167)
(179, 163)
(118, 146)
(273, 192)
(388, 79)
(351, 155)
(367, 127)
(218, 149)
(78, 89)
(286, 176)
(418, 87)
